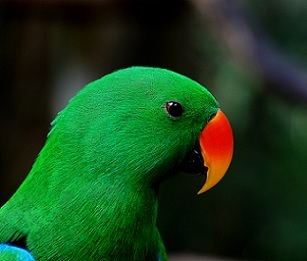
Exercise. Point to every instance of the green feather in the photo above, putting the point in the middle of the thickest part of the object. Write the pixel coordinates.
(92, 192)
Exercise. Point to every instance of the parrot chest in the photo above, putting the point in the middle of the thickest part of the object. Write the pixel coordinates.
(119, 230)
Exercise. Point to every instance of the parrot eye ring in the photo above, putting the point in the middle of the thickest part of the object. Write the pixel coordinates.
(174, 109)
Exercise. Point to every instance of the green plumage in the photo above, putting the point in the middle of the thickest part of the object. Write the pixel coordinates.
(92, 192)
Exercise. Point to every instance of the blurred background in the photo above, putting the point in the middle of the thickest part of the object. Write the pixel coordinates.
(252, 55)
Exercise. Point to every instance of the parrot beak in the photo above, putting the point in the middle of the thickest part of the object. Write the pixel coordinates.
(216, 145)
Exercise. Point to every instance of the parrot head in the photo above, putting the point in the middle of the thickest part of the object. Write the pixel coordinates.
(144, 122)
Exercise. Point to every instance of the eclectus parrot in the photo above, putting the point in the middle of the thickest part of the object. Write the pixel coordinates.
(92, 191)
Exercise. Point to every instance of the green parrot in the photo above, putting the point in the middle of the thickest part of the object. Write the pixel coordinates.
(92, 193)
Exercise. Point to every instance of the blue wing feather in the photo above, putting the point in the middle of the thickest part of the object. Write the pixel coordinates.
(12, 253)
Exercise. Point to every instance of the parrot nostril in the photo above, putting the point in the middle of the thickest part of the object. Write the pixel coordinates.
(212, 116)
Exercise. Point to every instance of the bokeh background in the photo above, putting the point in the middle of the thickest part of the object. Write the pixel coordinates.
(252, 55)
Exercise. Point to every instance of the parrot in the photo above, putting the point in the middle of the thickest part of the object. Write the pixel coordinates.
(92, 192)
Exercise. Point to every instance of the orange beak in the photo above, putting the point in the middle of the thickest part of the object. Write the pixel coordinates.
(216, 144)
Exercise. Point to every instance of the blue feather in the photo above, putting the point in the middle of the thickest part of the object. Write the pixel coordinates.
(17, 253)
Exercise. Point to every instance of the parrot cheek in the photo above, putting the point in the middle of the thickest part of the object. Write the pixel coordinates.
(216, 146)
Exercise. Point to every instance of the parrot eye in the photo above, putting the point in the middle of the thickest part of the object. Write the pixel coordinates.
(174, 109)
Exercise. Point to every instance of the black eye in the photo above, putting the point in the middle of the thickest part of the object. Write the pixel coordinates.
(174, 109)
